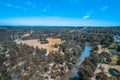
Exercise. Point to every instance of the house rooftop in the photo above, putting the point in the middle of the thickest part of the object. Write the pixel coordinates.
(116, 37)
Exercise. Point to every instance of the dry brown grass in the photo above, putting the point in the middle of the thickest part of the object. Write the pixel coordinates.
(114, 59)
(102, 50)
(107, 67)
(37, 43)
(25, 35)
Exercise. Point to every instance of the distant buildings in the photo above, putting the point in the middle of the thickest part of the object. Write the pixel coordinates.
(31, 31)
(117, 39)
(14, 36)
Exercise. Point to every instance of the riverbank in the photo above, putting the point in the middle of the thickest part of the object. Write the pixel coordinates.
(73, 74)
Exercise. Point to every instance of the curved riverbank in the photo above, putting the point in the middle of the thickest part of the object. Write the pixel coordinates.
(86, 53)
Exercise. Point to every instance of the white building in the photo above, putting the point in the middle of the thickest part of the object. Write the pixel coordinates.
(117, 39)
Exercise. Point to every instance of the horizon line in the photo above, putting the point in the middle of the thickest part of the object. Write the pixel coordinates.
(48, 21)
(54, 26)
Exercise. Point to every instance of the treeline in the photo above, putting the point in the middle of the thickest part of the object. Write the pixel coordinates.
(26, 62)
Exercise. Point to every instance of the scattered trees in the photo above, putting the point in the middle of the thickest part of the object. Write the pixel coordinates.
(34, 66)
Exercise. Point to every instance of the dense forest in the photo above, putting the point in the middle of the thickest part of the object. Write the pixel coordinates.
(24, 62)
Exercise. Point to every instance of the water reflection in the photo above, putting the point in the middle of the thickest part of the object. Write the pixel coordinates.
(86, 53)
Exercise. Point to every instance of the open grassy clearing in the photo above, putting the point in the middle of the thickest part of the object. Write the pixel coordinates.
(36, 43)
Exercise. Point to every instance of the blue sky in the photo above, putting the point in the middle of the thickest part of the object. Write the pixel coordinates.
(60, 12)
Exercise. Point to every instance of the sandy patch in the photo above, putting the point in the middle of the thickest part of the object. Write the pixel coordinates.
(107, 67)
(114, 59)
(102, 50)
(37, 43)
(25, 35)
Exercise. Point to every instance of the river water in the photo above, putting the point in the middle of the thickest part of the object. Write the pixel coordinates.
(86, 53)
(114, 72)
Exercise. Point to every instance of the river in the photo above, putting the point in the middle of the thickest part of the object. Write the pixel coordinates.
(86, 53)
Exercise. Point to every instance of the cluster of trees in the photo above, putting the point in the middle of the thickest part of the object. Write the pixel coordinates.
(103, 76)
(27, 62)
(4, 35)
(21, 58)
(118, 48)
(44, 41)
(118, 61)
(86, 70)
(105, 57)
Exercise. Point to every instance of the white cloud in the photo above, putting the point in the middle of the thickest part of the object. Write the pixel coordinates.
(86, 17)
(19, 7)
(14, 6)
(104, 8)
(9, 5)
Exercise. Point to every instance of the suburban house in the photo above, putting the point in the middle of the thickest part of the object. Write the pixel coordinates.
(117, 39)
